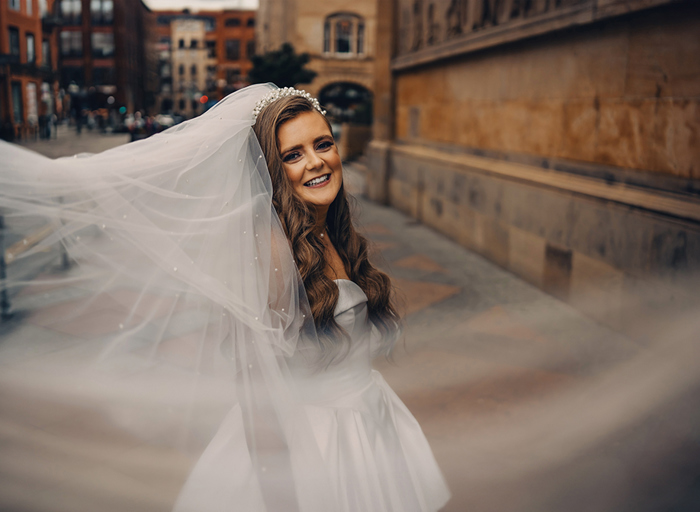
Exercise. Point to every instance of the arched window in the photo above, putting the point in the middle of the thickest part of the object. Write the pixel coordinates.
(344, 35)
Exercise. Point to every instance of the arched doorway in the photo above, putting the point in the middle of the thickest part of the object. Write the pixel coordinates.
(347, 102)
(349, 108)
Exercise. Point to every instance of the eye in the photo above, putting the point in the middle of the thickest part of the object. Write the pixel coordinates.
(325, 144)
(290, 157)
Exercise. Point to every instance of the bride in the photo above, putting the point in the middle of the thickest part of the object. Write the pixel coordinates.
(226, 252)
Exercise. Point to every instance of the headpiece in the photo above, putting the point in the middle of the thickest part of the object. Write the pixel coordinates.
(281, 93)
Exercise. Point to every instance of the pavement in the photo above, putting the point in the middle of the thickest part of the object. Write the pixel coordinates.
(528, 404)
(68, 142)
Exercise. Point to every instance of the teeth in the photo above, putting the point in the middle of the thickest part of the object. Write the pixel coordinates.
(316, 181)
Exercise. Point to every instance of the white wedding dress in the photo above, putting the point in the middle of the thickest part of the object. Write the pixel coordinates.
(374, 451)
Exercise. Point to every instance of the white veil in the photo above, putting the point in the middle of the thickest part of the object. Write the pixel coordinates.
(184, 295)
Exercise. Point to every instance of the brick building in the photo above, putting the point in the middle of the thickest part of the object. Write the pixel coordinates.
(28, 65)
(106, 49)
(203, 54)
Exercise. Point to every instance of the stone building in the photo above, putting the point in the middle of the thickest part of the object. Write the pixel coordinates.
(28, 66)
(557, 138)
(189, 65)
(340, 39)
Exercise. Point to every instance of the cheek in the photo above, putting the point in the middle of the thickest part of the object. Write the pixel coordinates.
(294, 175)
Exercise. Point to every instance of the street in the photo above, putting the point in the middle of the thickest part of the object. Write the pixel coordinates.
(528, 404)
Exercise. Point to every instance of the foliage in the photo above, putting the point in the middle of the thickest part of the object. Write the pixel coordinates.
(282, 67)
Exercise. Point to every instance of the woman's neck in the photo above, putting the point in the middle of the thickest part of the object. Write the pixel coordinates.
(320, 221)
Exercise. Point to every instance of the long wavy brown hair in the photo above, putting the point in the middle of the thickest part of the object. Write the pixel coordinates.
(299, 220)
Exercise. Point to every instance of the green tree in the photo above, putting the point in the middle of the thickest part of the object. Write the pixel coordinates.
(282, 67)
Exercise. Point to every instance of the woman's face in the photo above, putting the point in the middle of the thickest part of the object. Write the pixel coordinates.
(310, 159)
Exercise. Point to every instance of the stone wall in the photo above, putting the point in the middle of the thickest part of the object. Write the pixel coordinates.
(563, 146)
(624, 93)
(585, 240)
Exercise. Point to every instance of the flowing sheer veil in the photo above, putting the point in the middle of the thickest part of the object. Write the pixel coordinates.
(185, 299)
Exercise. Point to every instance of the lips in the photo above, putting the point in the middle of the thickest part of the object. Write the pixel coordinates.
(318, 182)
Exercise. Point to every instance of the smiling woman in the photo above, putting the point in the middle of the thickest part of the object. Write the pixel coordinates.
(231, 300)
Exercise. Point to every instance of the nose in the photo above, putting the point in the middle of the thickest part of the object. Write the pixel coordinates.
(313, 161)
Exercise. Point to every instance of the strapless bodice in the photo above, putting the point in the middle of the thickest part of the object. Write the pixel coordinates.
(351, 373)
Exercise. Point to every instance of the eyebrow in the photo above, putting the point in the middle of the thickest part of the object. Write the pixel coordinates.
(299, 146)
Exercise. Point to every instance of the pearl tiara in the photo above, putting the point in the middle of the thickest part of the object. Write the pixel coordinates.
(282, 93)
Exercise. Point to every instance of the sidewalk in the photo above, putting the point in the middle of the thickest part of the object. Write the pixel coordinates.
(68, 142)
(489, 361)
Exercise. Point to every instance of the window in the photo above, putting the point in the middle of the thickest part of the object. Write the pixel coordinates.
(193, 43)
(360, 37)
(209, 24)
(181, 69)
(71, 12)
(72, 74)
(193, 70)
(211, 78)
(31, 50)
(103, 76)
(194, 104)
(15, 6)
(17, 105)
(233, 22)
(102, 44)
(28, 7)
(250, 49)
(251, 22)
(14, 42)
(181, 43)
(46, 53)
(327, 36)
(72, 43)
(101, 12)
(233, 49)
(344, 34)
(233, 75)
(211, 49)
(182, 104)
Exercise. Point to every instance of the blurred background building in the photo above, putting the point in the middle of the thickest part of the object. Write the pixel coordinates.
(28, 66)
(557, 138)
(107, 50)
(341, 40)
(203, 56)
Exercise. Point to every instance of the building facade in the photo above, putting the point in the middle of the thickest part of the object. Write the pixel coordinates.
(558, 139)
(189, 65)
(107, 49)
(341, 41)
(28, 67)
(192, 77)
